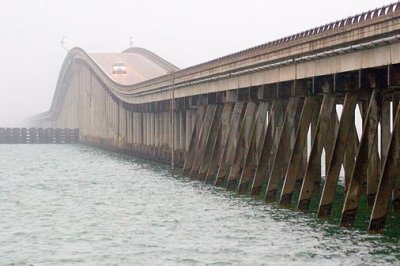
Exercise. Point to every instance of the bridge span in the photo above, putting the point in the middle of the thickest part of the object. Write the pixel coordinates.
(257, 121)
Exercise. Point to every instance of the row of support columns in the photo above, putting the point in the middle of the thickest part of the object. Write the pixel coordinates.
(273, 149)
(144, 132)
(273, 143)
(149, 135)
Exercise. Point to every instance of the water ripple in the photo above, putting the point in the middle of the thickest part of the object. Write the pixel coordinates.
(77, 205)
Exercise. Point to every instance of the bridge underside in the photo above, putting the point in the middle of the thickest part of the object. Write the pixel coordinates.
(295, 125)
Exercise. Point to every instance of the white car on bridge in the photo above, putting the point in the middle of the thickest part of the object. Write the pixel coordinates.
(119, 68)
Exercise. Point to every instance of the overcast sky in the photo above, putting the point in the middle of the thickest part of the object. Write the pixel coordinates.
(184, 32)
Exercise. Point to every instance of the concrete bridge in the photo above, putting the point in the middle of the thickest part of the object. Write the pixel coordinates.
(259, 121)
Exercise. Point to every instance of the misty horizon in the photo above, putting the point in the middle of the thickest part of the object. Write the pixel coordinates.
(184, 33)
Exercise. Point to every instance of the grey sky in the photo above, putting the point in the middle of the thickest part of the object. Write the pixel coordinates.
(184, 32)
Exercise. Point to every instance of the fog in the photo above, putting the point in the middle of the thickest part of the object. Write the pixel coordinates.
(184, 32)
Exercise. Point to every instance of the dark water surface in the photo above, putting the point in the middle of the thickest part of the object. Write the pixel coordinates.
(77, 205)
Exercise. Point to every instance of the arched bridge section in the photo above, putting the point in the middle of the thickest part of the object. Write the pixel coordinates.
(260, 121)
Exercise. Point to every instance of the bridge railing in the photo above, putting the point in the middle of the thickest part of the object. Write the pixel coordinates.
(39, 135)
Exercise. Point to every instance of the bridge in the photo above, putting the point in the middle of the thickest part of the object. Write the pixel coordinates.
(260, 121)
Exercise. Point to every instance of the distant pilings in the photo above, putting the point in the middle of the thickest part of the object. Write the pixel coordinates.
(39, 135)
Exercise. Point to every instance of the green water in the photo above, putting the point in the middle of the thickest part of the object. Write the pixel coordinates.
(77, 205)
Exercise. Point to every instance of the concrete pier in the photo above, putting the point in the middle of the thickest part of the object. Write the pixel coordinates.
(273, 121)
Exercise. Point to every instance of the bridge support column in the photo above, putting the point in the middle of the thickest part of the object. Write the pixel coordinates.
(145, 134)
(187, 167)
(311, 105)
(210, 144)
(251, 160)
(233, 138)
(391, 171)
(182, 137)
(242, 147)
(132, 129)
(336, 159)
(175, 135)
(221, 142)
(189, 129)
(283, 149)
(203, 140)
(396, 189)
(330, 140)
(128, 130)
(262, 170)
(156, 135)
(141, 132)
(123, 127)
(313, 172)
(153, 134)
(147, 117)
(161, 135)
(359, 173)
(351, 152)
(373, 173)
(384, 144)
(137, 132)
(167, 132)
(149, 147)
